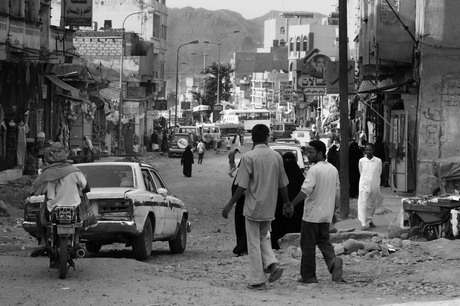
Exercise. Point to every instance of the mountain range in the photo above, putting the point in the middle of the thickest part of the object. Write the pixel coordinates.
(189, 24)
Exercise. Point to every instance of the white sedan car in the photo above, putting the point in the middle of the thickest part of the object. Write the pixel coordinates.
(132, 205)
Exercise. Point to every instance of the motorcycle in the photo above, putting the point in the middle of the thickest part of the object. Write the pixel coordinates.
(62, 241)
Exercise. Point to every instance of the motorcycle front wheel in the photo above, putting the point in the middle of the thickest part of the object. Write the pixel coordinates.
(62, 257)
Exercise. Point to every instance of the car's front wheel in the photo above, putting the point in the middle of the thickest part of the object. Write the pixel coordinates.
(142, 245)
(178, 244)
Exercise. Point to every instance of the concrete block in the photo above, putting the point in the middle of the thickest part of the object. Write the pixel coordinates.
(364, 235)
(352, 245)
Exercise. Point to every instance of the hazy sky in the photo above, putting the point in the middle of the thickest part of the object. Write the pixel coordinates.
(256, 8)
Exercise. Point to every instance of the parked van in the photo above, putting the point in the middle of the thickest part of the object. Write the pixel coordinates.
(302, 135)
(187, 129)
(283, 130)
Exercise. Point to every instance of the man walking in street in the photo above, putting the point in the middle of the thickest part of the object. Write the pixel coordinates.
(200, 148)
(231, 161)
(319, 207)
(215, 138)
(261, 175)
(208, 137)
(370, 197)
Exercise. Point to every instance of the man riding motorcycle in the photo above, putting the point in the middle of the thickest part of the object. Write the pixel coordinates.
(62, 183)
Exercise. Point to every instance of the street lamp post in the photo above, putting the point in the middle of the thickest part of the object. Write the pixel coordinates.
(177, 77)
(120, 106)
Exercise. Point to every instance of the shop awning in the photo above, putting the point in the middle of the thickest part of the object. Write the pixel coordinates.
(386, 85)
(61, 84)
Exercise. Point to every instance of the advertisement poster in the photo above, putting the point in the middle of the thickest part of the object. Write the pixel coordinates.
(78, 13)
(311, 74)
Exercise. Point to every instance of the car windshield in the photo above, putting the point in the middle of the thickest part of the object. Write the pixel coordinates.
(104, 176)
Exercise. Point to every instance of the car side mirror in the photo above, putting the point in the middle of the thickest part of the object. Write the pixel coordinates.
(162, 191)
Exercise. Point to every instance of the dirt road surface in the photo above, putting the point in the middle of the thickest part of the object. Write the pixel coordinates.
(208, 273)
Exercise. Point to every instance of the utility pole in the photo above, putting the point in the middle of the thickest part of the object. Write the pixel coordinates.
(344, 118)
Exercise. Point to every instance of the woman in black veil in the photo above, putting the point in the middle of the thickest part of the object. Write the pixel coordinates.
(283, 225)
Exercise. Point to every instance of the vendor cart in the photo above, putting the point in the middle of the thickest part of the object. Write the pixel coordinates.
(431, 216)
(435, 216)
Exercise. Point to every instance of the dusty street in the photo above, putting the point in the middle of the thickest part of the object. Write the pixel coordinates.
(208, 273)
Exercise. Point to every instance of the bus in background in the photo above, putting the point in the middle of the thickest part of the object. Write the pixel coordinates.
(248, 117)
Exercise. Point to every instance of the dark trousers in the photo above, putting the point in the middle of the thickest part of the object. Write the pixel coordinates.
(312, 235)
(240, 226)
(200, 157)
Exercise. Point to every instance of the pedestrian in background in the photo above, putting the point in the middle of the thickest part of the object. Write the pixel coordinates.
(154, 141)
(319, 206)
(200, 148)
(231, 161)
(87, 149)
(186, 161)
(215, 138)
(208, 139)
(370, 197)
(354, 155)
(333, 155)
(261, 175)
(229, 144)
(237, 141)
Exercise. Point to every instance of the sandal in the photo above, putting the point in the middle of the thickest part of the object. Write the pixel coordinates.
(262, 286)
(39, 251)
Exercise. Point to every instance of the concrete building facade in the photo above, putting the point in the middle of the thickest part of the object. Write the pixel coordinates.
(437, 110)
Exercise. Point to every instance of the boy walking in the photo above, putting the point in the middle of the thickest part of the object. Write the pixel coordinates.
(200, 148)
(261, 175)
(319, 206)
(231, 161)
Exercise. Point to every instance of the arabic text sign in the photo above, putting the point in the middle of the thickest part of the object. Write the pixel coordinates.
(78, 12)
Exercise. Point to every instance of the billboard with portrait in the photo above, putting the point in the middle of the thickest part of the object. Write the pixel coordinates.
(78, 13)
(311, 74)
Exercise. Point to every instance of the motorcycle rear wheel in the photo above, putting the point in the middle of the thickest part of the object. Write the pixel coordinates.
(62, 257)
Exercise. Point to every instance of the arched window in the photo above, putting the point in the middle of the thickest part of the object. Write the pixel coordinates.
(291, 44)
(297, 47)
(305, 44)
(282, 30)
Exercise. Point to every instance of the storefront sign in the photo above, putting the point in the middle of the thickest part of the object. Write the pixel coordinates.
(78, 13)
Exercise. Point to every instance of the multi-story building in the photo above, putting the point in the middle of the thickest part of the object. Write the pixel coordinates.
(385, 97)
(305, 41)
(28, 45)
(144, 53)
(266, 89)
(103, 49)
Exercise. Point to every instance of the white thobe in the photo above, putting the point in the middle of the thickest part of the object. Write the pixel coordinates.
(370, 196)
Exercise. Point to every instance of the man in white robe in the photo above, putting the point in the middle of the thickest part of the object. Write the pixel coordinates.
(370, 197)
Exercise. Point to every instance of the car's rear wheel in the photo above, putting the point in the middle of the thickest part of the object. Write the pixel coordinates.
(93, 247)
(142, 245)
(178, 244)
